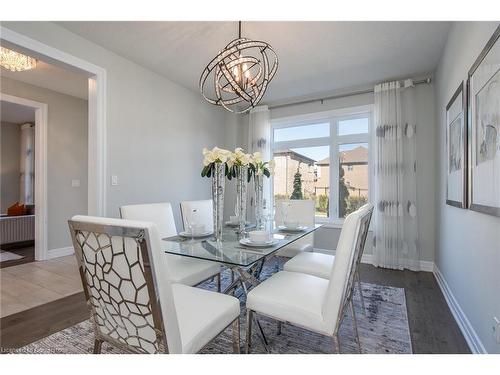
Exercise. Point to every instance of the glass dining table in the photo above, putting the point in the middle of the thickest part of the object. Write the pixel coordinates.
(244, 261)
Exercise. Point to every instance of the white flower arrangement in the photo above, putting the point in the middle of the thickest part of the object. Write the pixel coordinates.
(235, 160)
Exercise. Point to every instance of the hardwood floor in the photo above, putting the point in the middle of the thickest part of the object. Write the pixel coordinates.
(37, 283)
(432, 326)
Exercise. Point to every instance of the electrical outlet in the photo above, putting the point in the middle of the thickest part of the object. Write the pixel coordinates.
(114, 180)
(75, 183)
(496, 329)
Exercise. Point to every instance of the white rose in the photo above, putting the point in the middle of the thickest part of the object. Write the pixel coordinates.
(256, 158)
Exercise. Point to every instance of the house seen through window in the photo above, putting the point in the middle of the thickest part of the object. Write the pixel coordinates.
(326, 160)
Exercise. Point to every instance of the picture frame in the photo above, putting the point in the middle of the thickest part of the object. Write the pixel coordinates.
(483, 88)
(456, 148)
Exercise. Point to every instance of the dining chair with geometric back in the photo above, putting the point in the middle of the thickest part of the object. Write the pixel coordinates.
(133, 303)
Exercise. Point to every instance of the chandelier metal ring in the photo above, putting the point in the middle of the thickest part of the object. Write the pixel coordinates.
(240, 73)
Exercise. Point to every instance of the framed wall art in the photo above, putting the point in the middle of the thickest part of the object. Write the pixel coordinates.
(456, 149)
(484, 129)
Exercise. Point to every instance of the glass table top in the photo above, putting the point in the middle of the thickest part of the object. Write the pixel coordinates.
(229, 250)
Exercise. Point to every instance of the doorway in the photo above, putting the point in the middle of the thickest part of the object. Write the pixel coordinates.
(17, 182)
(23, 134)
(96, 77)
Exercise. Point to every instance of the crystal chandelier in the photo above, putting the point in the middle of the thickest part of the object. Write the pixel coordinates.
(15, 61)
(239, 74)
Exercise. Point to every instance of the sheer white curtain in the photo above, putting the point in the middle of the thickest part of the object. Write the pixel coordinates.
(396, 242)
(259, 139)
(27, 166)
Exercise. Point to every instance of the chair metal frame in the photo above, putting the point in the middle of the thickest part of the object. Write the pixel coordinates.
(138, 235)
(347, 301)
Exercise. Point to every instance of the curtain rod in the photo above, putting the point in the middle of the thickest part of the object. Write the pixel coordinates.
(359, 92)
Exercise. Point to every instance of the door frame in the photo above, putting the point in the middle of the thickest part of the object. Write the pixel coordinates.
(40, 170)
(97, 191)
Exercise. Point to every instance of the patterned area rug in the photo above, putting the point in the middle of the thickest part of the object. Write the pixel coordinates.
(383, 328)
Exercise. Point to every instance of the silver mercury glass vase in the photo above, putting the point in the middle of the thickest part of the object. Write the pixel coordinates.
(218, 186)
(259, 199)
(241, 196)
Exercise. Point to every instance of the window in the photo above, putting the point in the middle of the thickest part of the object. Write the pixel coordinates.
(303, 150)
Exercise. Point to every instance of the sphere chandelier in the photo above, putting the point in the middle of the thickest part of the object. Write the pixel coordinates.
(239, 74)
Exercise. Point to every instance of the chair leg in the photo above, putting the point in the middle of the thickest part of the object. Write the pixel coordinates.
(97, 346)
(336, 344)
(355, 325)
(236, 336)
(218, 280)
(279, 328)
(249, 331)
(358, 281)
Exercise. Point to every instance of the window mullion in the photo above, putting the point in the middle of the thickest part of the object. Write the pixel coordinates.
(334, 171)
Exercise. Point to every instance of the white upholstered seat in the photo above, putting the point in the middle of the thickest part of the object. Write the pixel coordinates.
(310, 302)
(316, 264)
(302, 211)
(189, 318)
(291, 297)
(202, 315)
(183, 270)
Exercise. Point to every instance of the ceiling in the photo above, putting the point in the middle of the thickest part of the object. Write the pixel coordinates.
(314, 57)
(16, 113)
(53, 78)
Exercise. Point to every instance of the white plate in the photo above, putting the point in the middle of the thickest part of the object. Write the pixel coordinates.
(298, 229)
(247, 242)
(198, 235)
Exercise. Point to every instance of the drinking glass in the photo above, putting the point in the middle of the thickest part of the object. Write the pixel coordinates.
(191, 220)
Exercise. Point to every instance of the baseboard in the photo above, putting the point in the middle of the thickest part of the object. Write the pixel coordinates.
(368, 259)
(475, 344)
(470, 335)
(61, 252)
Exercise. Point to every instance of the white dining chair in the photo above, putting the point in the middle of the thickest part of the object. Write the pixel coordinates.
(133, 303)
(320, 265)
(204, 213)
(307, 301)
(301, 211)
(183, 270)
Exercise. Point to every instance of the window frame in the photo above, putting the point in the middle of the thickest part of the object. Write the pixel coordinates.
(333, 141)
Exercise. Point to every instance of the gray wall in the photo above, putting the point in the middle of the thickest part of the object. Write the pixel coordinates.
(326, 238)
(468, 242)
(10, 135)
(156, 129)
(66, 155)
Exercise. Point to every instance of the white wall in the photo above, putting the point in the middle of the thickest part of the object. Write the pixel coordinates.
(468, 242)
(156, 129)
(326, 238)
(66, 156)
(10, 135)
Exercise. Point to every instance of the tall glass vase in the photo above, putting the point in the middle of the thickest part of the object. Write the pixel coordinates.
(259, 199)
(241, 197)
(218, 186)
